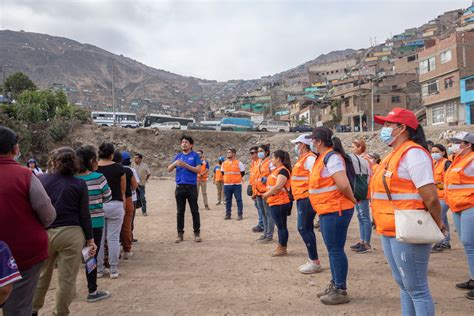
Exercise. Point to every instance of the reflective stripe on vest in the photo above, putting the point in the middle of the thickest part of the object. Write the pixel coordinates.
(460, 186)
(281, 196)
(397, 196)
(299, 178)
(323, 190)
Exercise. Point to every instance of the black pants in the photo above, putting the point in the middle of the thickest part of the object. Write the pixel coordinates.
(187, 192)
(92, 277)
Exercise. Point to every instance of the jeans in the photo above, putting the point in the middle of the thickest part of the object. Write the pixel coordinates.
(334, 230)
(444, 217)
(409, 264)
(268, 224)
(280, 216)
(92, 277)
(464, 222)
(236, 191)
(260, 214)
(365, 225)
(114, 214)
(183, 193)
(20, 302)
(141, 188)
(306, 216)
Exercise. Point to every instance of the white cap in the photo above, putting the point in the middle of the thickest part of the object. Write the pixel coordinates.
(302, 139)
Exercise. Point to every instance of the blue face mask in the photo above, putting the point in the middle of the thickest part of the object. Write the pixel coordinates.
(297, 152)
(386, 135)
(436, 156)
(261, 155)
(311, 146)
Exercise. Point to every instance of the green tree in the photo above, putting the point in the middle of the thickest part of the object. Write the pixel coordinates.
(302, 121)
(17, 83)
(39, 105)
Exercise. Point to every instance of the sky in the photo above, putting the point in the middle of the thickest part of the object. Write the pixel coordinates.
(222, 39)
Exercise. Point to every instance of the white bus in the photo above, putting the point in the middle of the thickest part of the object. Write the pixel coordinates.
(163, 118)
(214, 124)
(122, 119)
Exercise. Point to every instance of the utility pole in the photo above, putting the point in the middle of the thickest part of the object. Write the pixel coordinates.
(113, 92)
(372, 103)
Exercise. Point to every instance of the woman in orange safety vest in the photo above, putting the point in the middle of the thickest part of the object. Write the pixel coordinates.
(405, 176)
(278, 197)
(459, 195)
(332, 198)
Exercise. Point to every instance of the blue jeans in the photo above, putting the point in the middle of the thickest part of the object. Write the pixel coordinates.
(306, 216)
(334, 230)
(260, 215)
(444, 218)
(365, 225)
(141, 188)
(268, 224)
(236, 191)
(464, 222)
(409, 264)
(280, 216)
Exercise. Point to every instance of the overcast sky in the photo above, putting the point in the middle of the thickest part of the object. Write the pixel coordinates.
(222, 39)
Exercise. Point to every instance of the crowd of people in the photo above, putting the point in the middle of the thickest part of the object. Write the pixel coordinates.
(86, 200)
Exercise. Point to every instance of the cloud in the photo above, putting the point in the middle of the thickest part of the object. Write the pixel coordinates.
(222, 39)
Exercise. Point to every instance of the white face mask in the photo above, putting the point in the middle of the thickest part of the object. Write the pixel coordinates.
(455, 148)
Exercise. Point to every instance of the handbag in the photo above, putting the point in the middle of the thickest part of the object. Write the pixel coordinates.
(414, 226)
(292, 198)
(249, 190)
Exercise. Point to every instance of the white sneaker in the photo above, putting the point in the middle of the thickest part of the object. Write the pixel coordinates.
(102, 273)
(127, 255)
(114, 275)
(310, 267)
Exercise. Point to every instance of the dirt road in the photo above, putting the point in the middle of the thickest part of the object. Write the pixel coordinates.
(228, 273)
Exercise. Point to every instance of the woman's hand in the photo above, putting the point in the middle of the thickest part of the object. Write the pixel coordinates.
(91, 243)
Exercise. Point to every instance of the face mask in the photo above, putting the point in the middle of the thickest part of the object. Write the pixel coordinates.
(454, 149)
(261, 155)
(297, 152)
(311, 146)
(17, 157)
(436, 156)
(386, 135)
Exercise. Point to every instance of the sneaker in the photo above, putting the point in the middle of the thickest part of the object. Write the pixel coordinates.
(356, 246)
(328, 288)
(227, 217)
(240, 217)
(257, 229)
(437, 248)
(101, 274)
(364, 248)
(134, 240)
(470, 295)
(114, 275)
(266, 240)
(310, 267)
(469, 285)
(197, 238)
(179, 238)
(207, 208)
(335, 297)
(127, 255)
(279, 251)
(97, 296)
(218, 203)
(262, 237)
(446, 246)
(144, 214)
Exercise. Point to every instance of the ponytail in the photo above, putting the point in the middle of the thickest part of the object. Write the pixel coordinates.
(284, 157)
(337, 146)
(418, 136)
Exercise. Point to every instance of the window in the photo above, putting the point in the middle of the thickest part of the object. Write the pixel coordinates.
(451, 110)
(445, 56)
(427, 65)
(437, 114)
(377, 98)
(449, 82)
(470, 84)
(429, 88)
(346, 102)
(412, 58)
(395, 99)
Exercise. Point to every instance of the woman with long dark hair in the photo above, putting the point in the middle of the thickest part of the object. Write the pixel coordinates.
(278, 198)
(332, 198)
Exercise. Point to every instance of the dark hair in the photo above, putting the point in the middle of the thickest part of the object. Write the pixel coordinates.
(266, 149)
(200, 151)
(8, 139)
(253, 148)
(106, 150)
(188, 138)
(284, 157)
(376, 157)
(139, 155)
(86, 155)
(325, 135)
(430, 143)
(442, 148)
(64, 161)
(418, 136)
(117, 156)
(232, 149)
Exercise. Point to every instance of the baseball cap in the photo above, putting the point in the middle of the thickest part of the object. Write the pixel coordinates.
(302, 139)
(462, 137)
(125, 155)
(221, 158)
(398, 115)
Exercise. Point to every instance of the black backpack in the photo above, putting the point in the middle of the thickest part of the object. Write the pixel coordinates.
(350, 171)
(361, 185)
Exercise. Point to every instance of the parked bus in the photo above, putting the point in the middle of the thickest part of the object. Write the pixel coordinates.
(163, 118)
(274, 126)
(214, 124)
(122, 119)
(236, 124)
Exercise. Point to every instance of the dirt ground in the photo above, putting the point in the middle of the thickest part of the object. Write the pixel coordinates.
(228, 273)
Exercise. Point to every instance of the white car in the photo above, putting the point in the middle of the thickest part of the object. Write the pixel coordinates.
(166, 126)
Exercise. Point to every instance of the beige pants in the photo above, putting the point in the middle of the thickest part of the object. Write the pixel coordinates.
(65, 246)
(220, 187)
(202, 185)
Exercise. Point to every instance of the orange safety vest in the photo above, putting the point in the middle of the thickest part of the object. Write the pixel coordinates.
(262, 170)
(439, 176)
(282, 196)
(218, 175)
(459, 187)
(231, 171)
(324, 195)
(405, 195)
(300, 178)
(201, 175)
(253, 171)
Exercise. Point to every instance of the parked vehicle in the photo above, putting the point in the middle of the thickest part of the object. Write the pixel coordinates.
(302, 129)
(163, 118)
(274, 126)
(200, 127)
(236, 124)
(128, 120)
(166, 126)
(214, 124)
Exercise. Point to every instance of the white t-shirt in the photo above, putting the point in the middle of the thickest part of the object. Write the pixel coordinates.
(309, 163)
(335, 164)
(416, 166)
(241, 166)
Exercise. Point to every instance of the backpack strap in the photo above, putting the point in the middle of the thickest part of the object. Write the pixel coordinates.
(326, 158)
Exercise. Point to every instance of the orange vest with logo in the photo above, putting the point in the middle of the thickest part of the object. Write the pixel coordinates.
(201, 175)
(218, 175)
(300, 178)
(458, 186)
(253, 170)
(231, 171)
(282, 196)
(261, 170)
(404, 193)
(439, 176)
(324, 195)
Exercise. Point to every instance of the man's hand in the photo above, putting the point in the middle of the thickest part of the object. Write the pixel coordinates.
(90, 243)
(180, 163)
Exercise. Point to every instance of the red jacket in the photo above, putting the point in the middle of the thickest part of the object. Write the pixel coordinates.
(19, 226)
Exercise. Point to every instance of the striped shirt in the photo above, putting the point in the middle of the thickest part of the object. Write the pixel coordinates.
(99, 193)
